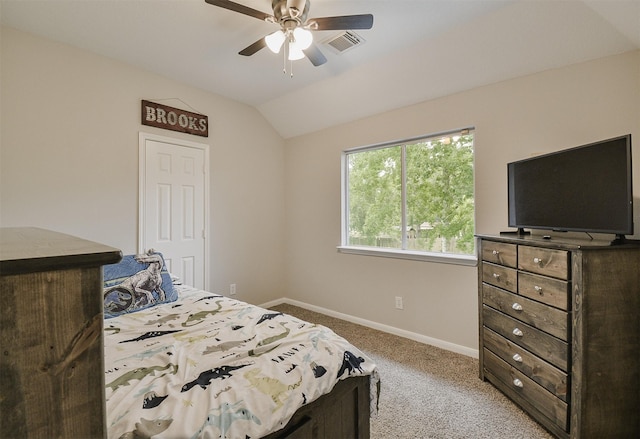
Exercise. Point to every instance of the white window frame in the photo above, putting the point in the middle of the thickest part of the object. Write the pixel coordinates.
(448, 258)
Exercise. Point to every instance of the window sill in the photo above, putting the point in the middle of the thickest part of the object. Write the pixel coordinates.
(411, 255)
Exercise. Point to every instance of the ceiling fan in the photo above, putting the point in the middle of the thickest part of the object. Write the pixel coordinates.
(295, 29)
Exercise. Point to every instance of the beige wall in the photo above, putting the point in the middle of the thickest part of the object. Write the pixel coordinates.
(69, 159)
(514, 119)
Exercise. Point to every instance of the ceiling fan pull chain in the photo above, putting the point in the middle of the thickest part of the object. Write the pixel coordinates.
(284, 61)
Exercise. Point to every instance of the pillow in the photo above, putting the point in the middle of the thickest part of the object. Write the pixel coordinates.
(136, 282)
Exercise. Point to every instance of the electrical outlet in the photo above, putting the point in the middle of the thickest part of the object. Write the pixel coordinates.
(399, 304)
(232, 289)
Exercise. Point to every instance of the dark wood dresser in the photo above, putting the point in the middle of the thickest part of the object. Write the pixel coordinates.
(52, 365)
(560, 331)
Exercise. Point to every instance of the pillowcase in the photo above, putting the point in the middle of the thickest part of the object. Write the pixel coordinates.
(136, 282)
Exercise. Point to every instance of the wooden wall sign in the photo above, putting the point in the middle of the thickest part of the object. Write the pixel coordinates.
(174, 119)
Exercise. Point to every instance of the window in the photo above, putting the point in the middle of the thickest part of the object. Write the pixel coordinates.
(411, 199)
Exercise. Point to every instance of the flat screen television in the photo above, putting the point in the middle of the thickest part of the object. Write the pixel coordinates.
(585, 189)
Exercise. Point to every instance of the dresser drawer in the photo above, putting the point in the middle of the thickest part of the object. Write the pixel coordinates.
(514, 382)
(546, 346)
(550, 320)
(554, 292)
(500, 276)
(500, 253)
(546, 261)
(543, 373)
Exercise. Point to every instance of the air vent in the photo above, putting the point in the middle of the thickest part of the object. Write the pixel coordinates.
(344, 41)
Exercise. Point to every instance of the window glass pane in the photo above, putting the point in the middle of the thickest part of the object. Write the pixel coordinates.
(440, 202)
(375, 194)
(436, 187)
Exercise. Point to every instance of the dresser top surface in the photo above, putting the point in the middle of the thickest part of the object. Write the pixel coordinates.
(559, 242)
(31, 249)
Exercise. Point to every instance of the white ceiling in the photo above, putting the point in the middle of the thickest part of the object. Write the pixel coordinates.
(417, 49)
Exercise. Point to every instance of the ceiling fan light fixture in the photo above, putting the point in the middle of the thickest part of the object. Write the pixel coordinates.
(295, 52)
(303, 38)
(274, 41)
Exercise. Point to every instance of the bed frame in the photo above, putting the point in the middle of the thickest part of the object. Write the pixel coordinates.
(342, 413)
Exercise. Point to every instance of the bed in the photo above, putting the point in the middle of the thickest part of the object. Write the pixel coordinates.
(186, 363)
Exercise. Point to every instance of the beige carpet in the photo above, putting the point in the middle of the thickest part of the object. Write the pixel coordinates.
(428, 392)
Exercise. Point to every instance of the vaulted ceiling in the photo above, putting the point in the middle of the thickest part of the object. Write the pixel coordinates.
(417, 49)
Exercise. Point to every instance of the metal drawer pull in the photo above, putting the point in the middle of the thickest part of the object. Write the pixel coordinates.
(517, 332)
(517, 306)
(496, 275)
(538, 289)
(518, 383)
(517, 357)
(495, 252)
(537, 260)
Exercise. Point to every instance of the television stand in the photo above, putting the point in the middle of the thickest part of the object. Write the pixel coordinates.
(573, 335)
(619, 240)
(519, 232)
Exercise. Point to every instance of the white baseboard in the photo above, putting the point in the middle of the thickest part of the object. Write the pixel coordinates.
(379, 326)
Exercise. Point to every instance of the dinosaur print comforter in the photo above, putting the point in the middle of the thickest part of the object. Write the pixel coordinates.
(207, 366)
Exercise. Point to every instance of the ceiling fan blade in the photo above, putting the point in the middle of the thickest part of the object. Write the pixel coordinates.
(250, 50)
(315, 56)
(345, 22)
(236, 7)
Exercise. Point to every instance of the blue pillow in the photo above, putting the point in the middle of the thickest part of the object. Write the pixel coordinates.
(137, 282)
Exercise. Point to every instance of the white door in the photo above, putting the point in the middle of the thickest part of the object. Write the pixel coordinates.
(173, 205)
